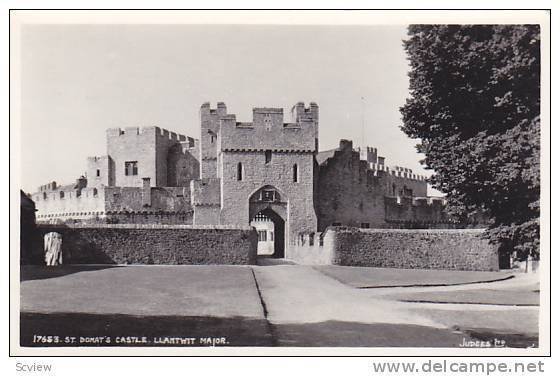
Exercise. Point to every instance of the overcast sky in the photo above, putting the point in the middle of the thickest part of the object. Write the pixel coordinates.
(78, 80)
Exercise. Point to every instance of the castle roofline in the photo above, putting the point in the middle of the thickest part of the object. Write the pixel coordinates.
(268, 110)
(145, 130)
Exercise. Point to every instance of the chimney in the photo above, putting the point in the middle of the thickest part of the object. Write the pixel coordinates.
(146, 192)
(221, 109)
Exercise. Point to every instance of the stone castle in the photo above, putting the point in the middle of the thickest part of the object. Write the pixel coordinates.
(268, 173)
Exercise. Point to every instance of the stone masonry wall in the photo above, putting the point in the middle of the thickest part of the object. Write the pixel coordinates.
(422, 249)
(182, 165)
(99, 171)
(133, 144)
(278, 173)
(209, 126)
(154, 244)
(148, 147)
(50, 205)
(147, 217)
(347, 193)
(169, 199)
(401, 212)
(168, 205)
(351, 193)
(267, 131)
(314, 249)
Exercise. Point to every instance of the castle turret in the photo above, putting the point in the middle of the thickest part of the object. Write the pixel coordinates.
(209, 128)
(307, 117)
(368, 154)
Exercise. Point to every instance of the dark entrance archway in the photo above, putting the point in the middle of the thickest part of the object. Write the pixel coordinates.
(279, 230)
(269, 202)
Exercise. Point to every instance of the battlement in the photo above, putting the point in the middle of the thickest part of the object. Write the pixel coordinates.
(399, 173)
(425, 202)
(189, 143)
(377, 163)
(368, 154)
(220, 110)
(142, 131)
(301, 114)
(268, 131)
(268, 110)
(48, 187)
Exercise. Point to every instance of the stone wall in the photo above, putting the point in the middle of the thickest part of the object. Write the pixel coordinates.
(278, 174)
(182, 164)
(99, 171)
(145, 217)
(268, 131)
(314, 248)
(408, 212)
(50, 205)
(397, 183)
(132, 144)
(347, 192)
(352, 192)
(154, 244)
(422, 249)
(209, 129)
(147, 146)
(170, 199)
(167, 205)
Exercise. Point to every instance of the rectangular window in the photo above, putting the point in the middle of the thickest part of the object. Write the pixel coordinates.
(239, 171)
(311, 239)
(262, 235)
(271, 234)
(364, 225)
(98, 173)
(131, 168)
(268, 195)
(267, 156)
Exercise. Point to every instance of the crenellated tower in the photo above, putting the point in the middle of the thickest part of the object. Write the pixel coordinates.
(209, 129)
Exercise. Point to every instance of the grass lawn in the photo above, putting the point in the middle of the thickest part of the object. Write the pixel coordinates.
(367, 277)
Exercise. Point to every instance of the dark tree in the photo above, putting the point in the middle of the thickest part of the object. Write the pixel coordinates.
(475, 105)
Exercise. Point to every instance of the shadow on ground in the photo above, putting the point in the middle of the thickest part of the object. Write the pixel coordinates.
(271, 261)
(35, 272)
(353, 334)
(239, 331)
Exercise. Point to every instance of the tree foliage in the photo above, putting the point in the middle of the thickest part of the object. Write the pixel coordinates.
(475, 105)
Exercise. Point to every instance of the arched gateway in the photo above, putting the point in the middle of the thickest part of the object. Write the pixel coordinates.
(268, 214)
